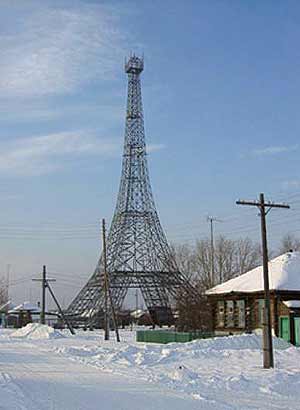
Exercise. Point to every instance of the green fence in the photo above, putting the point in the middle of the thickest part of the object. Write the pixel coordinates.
(166, 336)
(284, 328)
(297, 331)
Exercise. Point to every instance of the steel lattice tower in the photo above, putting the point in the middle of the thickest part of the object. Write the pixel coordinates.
(138, 254)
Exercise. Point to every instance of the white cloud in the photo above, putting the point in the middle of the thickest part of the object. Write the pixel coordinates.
(39, 110)
(9, 197)
(155, 147)
(48, 153)
(293, 183)
(273, 150)
(43, 154)
(54, 50)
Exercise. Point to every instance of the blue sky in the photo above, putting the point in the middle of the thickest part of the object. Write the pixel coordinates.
(221, 90)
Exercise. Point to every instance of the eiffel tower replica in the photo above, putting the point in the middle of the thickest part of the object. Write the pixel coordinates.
(138, 254)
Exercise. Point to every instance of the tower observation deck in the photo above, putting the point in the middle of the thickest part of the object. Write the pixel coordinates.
(134, 65)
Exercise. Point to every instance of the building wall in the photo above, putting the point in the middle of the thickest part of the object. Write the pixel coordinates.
(231, 321)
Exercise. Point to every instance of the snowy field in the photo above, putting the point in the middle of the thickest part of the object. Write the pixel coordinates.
(45, 369)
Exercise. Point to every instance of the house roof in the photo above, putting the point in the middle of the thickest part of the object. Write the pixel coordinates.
(284, 274)
(293, 304)
(6, 306)
(26, 306)
(136, 314)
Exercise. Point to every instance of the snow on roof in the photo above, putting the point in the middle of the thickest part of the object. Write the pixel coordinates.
(26, 306)
(292, 303)
(7, 305)
(284, 274)
(137, 313)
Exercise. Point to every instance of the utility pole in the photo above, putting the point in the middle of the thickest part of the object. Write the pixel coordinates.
(268, 357)
(211, 221)
(46, 285)
(136, 299)
(7, 282)
(107, 291)
(44, 282)
(43, 296)
(136, 305)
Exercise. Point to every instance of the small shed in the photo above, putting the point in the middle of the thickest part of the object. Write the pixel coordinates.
(237, 304)
(23, 313)
(141, 317)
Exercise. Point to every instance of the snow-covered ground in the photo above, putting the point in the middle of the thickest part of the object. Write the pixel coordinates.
(40, 369)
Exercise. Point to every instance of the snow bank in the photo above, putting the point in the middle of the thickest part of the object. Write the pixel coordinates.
(142, 355)
(240, 342)
(211, 370)
(37, 331)
(223, 373)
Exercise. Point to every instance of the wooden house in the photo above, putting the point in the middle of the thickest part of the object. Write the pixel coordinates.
(22, 314)
(237, 304)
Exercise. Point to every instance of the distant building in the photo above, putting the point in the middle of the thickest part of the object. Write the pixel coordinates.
(22, 314)
(238, 304)
(142, 317)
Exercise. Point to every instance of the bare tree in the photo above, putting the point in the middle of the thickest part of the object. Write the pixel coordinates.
(224, 254)
(184, 256)
(289, 242)
(3, 292)
(225, 259)
(193, 313)
(231, 258)
(202, 263)
(247, 255)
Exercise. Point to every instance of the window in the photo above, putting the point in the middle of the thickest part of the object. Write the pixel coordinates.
(220, 314)
(230, 313)
(240, 304)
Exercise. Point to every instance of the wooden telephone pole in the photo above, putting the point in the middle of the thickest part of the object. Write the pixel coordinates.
(44, 282)
(46, 285)
(211, 221)
(268, 357)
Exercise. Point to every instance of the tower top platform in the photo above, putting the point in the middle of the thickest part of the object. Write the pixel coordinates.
(134, 65)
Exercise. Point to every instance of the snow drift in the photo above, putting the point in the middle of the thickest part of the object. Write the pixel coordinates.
(223, 373)
(211, 371)
(141, 355)
(37, 331)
